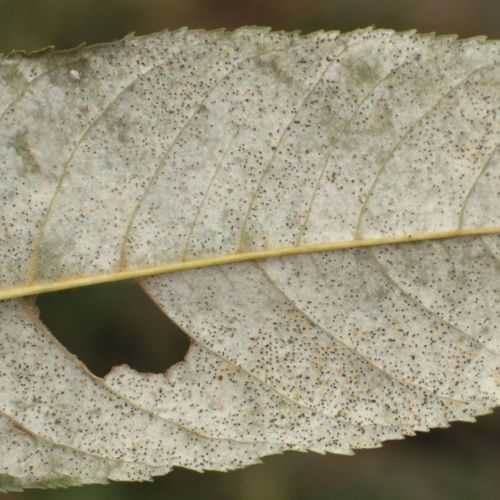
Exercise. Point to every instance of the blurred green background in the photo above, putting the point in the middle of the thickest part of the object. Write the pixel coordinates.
(114, 324)
(32, 24)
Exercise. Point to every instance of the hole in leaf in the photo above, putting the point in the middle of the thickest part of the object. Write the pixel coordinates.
(113, 324)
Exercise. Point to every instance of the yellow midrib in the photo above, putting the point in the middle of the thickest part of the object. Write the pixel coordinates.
(52, 286)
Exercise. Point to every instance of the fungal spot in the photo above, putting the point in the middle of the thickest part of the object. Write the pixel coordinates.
(361, 71)
(113, 324)
(22, 148)
(271, 66)
(75, 75)
(13, 77)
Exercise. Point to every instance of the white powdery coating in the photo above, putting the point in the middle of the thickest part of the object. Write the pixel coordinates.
(193, 144)
(47, 391)
(212, 396)
(352, 348)
(36, 462)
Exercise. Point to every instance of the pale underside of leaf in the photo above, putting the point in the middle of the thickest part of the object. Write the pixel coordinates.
(194, 148)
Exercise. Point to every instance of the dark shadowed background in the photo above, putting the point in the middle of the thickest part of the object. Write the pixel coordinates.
(115, 324)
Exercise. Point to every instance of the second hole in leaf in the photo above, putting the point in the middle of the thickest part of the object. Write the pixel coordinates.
(113, 324)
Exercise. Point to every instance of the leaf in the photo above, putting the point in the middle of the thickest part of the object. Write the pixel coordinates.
(339, 193)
